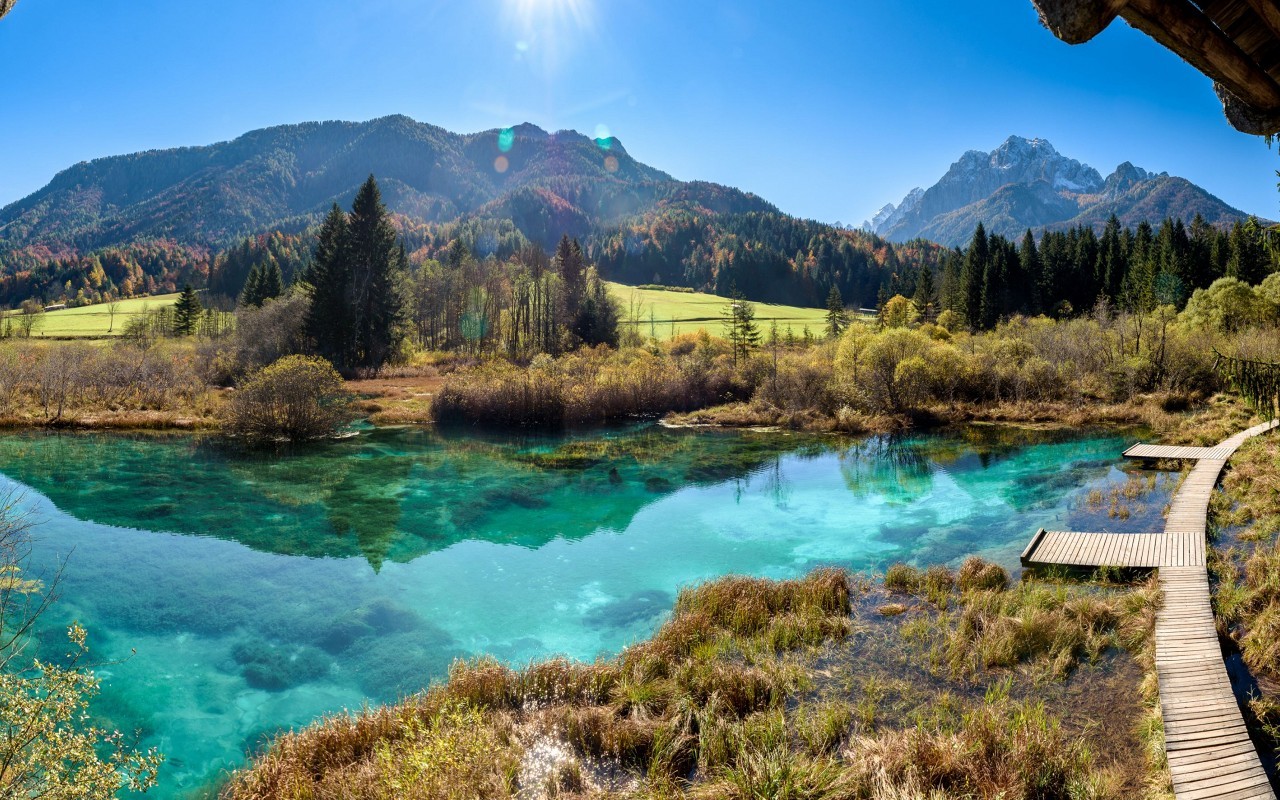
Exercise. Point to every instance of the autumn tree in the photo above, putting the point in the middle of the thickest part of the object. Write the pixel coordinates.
(49, 750)
(899, 312)
(31, 312)
(296, 398)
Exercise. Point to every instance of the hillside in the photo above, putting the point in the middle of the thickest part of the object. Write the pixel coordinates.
(152, 222)
(285, 177)
(1026, 183)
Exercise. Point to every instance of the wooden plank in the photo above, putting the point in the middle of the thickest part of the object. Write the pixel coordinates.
(1031, 546)
(1207, 744)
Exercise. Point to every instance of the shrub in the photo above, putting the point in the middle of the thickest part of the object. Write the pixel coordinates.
(591, 386)
(295, 399)
(263, 334)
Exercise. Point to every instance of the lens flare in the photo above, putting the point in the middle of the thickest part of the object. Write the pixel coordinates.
(547, 32)
(506, 138)
(500, 164)
(611, 164)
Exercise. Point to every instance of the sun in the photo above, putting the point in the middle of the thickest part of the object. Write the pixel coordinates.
(537, 14)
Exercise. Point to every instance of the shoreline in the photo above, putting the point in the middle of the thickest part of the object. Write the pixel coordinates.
(383, 410)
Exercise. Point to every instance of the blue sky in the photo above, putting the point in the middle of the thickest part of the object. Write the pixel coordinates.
(828, 109)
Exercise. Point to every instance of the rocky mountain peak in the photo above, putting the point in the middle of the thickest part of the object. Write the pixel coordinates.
(1026, 182)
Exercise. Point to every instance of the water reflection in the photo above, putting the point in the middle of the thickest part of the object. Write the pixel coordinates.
(260, 591)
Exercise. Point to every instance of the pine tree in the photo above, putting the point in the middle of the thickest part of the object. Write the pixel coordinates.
(1249, 260)
(926, 295)
(569, 264)
(328, 317)
(975, 267)
(186, 312)
(1111, 262)
(375, 292)
(1029, 266)
(837, 317)
(598, 316)
(991, 302)
(272, 282)
(251, 296)
(740, 326)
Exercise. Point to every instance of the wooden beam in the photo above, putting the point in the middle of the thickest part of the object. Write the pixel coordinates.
(6, 6)
(1185, 30)
(1268, 13)
(1077, 21)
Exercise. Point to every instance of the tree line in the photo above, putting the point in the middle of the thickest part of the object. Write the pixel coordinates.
(1068, 272)
(364, 305)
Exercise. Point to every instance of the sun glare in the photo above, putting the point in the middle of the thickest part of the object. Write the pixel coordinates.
(554, 11)
(546, 29)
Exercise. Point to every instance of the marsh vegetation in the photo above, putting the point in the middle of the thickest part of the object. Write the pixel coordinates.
(755, 688)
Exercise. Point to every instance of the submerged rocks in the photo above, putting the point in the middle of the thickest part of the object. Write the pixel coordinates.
(275, 668)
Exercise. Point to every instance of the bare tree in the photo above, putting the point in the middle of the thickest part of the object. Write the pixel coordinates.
(31, 313)
(113, 308)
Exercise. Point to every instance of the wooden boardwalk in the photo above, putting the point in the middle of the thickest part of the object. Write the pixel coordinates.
(1073, 549)
(1160, 451)
(1208, 747)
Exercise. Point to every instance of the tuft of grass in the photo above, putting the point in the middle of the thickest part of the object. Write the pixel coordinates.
(902, 578)
(976, 574)
(1001, 748)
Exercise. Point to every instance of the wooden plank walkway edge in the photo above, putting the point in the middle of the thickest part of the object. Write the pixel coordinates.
(1209, 751)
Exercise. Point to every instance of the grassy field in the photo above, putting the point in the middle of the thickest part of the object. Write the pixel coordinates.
(682, 312)
(663, 313)
(92, 322)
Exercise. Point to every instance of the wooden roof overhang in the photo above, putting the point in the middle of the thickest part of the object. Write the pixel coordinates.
(1234, 42)
(6, 6)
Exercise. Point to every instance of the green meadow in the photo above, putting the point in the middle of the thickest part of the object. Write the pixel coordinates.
(664, 313)
(93, 322)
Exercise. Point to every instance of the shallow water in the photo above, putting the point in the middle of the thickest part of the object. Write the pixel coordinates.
(262, 591)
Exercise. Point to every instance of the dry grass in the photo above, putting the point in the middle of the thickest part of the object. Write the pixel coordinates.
(984, 624)
(719, 704)
(1247, 594)
(398, 399)
(592, 386)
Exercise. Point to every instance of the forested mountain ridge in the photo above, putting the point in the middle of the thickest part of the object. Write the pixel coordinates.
(286, 177)
(152, 222)
(1026, 183)
(206, 214)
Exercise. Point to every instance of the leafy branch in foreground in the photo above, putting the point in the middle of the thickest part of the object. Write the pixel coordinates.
(48, 748)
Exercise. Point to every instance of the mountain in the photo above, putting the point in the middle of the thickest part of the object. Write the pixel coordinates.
(286, 177)
(152, 222)
(1026, 183)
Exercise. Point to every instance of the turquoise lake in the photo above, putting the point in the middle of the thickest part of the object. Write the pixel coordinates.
(257, 592)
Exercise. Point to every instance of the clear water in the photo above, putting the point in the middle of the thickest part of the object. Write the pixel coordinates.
(258, 592)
